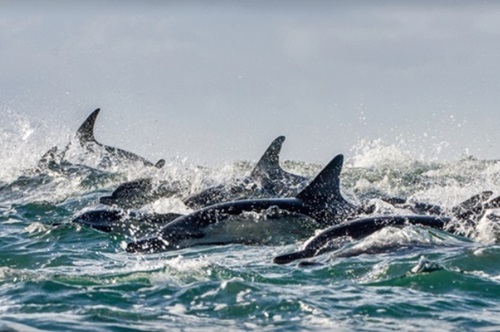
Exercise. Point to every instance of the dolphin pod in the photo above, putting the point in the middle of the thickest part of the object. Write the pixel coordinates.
(221, 212)
(267, 179)
(321, 200)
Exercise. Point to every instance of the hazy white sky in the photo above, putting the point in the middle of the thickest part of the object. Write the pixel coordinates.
(216, 81)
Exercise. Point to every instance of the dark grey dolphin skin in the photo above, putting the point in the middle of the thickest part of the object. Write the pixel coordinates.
(473, 207)
(137, 193)
(48, 159)
(85, 136)
(357, 229)
(267, 179)
(321, 200)
(128, 223)
(268, 165)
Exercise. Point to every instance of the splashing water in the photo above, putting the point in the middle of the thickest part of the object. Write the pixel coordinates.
(55, 275)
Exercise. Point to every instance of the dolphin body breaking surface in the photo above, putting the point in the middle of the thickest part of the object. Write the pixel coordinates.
(267, 179)
(321, 200)
(131, 223)
(323, 242)
(86, 138)
(357, 229)
(137, 193)
(85, 135)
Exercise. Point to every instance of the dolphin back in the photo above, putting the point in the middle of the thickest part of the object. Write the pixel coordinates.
(358, 229)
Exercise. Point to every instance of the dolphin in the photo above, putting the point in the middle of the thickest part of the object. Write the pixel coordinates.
(134, 194)
(85, 135)
(48, 159)
(356, 229)
(137, 193)
(474, 206)
(360, 228)
(267, 179)
(321, 200)
(49, 163)
(86, 139)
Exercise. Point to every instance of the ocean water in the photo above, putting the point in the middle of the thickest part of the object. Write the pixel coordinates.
(59, 276)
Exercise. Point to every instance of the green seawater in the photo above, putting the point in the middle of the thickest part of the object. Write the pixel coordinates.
(58, 276)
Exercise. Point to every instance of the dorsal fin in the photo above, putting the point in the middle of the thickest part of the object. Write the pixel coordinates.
(493, 203)
(160, 163)
(269, 163)
(86, 131)
(472, 203)
(48, 157)
(326, 185)
(471, 206)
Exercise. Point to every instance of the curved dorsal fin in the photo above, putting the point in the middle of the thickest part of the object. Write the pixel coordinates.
(325, 187)
(269, 163)
(160, 163)
(86, 131)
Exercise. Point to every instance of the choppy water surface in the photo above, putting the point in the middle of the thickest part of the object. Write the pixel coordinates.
(58, 276)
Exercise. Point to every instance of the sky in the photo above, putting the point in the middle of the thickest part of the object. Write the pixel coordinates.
(217, 81)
